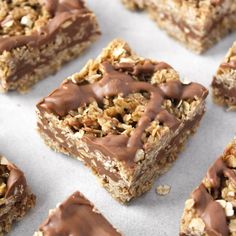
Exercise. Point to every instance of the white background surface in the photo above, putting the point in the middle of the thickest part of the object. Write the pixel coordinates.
(53, 177)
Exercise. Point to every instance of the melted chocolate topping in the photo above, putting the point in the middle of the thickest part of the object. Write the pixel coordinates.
(207, 208)
(16, 180)
(211, 212)
(69, 96)
(224, 91)
(230, 63)
(61, 10)
(77, 216)
(57, 6)
(217, 2)
(218, 171)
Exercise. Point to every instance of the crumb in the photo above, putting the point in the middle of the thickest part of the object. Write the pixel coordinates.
(163, 190)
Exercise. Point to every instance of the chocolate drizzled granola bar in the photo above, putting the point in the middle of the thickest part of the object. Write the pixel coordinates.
(224, 82)
(211, 208)
(124, 116)
(38, 36)
(15, 197)
(198, 24)
(76, 216)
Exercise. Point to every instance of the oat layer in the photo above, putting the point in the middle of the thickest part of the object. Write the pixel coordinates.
(224, 82)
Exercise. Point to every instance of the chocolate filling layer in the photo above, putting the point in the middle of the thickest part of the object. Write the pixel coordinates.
(186, 29)
(99, 168)
(223, 91)
(23, 69)
(73, 150)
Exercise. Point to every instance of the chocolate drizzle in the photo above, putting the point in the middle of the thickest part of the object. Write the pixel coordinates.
(229, 65)
(211, 212)
(216, 2)
(16, 181)
(231, 62)
(61, 11)
(217, 172)
(77, 216)
(207, 208)
(224, 91)
(55, 7)
(118, 80)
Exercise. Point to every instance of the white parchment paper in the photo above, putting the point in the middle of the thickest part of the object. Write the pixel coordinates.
(53, 177)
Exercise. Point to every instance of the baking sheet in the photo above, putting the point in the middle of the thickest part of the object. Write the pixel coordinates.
(53, 177)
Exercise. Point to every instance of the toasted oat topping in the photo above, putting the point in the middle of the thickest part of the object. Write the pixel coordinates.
(18, 17)
(125, 100)
(120, 115)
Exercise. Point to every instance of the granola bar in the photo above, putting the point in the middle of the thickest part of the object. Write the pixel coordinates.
(197, 24)
(15, 197)
(38, 36)
(76, 216)
(124, 116)
(224, 82)
(211, 208)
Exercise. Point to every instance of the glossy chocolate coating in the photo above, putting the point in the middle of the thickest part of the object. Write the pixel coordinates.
(77, 216)
(16, 182)
(207, 208)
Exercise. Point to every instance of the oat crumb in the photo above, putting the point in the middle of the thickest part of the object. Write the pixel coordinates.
(163, 190)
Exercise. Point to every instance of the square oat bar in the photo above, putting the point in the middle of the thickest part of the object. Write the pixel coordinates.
(76, 216)
(224, 82)
(15, 197)
(211, 208)
(124, 116)
(38, 36)
(198, 24)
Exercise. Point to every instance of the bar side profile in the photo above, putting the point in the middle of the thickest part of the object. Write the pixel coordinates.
(210, 210)
(76, 216)
(15, 197)
(196, 24)
(38, 36)
(224, 82)
(124, 116)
